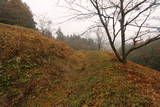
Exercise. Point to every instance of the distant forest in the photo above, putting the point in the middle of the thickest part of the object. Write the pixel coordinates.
(76, 41)
(148, 55)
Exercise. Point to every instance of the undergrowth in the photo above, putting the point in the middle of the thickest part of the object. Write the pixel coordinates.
(36, 71)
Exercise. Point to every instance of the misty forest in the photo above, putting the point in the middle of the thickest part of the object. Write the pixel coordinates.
(79, 53)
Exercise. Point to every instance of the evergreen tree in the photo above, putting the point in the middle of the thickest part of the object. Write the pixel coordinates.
(15, 12)
(60, 35)
(76, 41)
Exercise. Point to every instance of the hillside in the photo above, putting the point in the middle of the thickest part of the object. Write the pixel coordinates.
(36, 71)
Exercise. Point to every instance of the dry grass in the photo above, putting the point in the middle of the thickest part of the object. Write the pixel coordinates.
(27, 60)
(36, 71)
(26, 46)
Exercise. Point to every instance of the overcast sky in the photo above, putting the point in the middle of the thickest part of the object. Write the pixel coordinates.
(52, 10)
(57, 14)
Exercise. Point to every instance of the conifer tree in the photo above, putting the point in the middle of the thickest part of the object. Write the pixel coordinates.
(15, 12)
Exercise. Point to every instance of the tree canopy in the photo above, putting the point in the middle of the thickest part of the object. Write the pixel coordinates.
(15, 12)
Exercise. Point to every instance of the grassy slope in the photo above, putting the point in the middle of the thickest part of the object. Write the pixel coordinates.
(104, 82)
(38, 72)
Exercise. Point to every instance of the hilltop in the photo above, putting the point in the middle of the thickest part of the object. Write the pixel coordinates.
(36, 71)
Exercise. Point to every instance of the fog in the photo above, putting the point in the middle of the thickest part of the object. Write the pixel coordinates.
(52, 10)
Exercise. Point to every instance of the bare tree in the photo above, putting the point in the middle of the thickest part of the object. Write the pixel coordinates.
(100, 38)
(44, 26)
(127, 21)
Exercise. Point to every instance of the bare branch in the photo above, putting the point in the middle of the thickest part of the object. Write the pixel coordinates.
(116, 17)
(144, 10)
(143, 44)
(140, 27)
(90, 28)
(134, 8)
